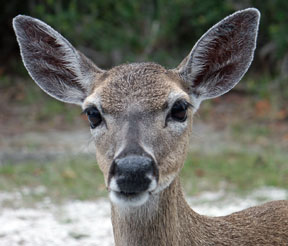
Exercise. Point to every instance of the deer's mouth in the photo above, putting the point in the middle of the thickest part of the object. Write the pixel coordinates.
(132, 199)
(128, 194)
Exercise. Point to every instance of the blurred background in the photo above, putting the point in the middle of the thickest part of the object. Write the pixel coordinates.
(240, 140)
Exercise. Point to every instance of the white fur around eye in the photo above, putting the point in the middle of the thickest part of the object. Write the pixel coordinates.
(176, 128)
(98, 131)
(94, 100)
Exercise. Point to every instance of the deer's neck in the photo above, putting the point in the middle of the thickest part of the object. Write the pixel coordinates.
(165, 220)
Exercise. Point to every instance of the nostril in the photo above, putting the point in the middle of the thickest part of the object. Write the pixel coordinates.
(132, 173)
(133, 164)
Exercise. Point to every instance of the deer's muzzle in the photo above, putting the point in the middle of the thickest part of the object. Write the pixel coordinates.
(132, 178)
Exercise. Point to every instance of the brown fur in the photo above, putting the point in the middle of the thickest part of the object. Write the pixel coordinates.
(136, 83)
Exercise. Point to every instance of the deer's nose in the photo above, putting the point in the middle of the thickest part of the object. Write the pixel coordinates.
(133, 174)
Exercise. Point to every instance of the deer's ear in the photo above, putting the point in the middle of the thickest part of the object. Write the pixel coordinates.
(53, 63)
(221, 57)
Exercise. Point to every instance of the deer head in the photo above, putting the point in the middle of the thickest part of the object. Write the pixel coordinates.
(140, 114)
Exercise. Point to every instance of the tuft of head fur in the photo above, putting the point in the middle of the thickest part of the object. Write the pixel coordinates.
(137, 84)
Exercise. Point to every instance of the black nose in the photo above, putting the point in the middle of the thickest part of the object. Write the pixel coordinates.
(131, 173)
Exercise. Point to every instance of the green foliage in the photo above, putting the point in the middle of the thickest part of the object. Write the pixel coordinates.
(274, 24)
(131, 30)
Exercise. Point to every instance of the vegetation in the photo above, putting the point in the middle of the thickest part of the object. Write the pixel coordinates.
(77, 178)
(159, 30)
(240, 171)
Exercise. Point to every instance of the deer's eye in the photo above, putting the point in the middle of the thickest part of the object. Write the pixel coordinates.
(179, 111)
(94, 117)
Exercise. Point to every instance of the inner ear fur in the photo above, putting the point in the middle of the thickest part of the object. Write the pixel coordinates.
(54, 64)
(221, 57)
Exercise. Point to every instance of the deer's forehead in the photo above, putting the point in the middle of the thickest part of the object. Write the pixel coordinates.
(137, 85)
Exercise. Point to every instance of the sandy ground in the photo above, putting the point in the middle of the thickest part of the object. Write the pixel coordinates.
(88, 223)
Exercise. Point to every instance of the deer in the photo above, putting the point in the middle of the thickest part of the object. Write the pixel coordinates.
(140, 116)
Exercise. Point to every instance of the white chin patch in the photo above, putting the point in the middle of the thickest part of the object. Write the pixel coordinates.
(122, 200)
